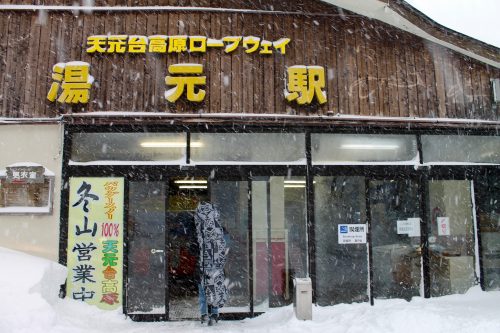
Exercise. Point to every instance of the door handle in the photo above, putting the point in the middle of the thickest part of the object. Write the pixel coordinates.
(153, 251)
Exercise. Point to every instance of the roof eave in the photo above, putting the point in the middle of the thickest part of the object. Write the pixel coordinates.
(401, 15)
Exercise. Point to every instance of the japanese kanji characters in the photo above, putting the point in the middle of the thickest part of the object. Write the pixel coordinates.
(95, 241)
(182, 43)
(97, 44)
(304, 83)
(188, 80)
(177, 44)
(157, 44)
(84, 193)
(137, 44)
(117, 44)
(74, 80)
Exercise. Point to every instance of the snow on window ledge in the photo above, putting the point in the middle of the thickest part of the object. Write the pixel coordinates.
(116, 162)
(25, 210)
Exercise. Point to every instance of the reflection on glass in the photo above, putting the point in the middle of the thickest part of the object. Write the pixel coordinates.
(352, 148)
(248, 148)
(232, 199)
(341, 269)
(121, 147)
(279, 239)
(451, 237)
(146, 244)
(461, 149)
(489, 226)
(183, 249)
(395, 226)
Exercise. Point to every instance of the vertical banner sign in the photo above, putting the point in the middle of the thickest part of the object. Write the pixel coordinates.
(95, 241)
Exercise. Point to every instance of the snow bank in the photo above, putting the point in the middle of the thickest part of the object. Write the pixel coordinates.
(29, 303)
(29, 286)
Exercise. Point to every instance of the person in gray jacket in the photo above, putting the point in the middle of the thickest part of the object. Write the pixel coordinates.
(212, 246)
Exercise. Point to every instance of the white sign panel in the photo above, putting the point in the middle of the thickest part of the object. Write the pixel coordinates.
(404, 227)
(443, 224)
(352, 233)
(415, 231)
(410, 227)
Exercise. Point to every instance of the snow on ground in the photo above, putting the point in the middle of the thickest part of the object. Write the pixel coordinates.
(29, 303)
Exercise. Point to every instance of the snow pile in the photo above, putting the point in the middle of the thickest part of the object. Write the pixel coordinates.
(29, 303)
(29, 287)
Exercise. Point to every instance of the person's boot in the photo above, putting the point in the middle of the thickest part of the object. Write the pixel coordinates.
(214, 318)
(204, 318)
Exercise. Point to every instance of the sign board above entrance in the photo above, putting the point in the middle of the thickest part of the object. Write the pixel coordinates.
(181, 43)
(304, 84)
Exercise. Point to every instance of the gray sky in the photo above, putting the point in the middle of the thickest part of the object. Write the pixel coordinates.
(476, 18)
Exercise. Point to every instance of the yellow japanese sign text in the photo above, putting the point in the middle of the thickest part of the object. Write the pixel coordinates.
(95, 241)
(182, 43)
(305, 83)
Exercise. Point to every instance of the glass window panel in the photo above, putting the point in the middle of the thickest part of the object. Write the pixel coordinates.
(118, 148)
(451, 237)
(341, 269)
(146, 248)
(395, 227)
(366, 148)
(461, 149)
(183, 251)
(489, 226)
(279, 239)
(248, 148)
(232, 199)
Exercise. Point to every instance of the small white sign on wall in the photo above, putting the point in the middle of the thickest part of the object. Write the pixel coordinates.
(410, 227)
(352, 233)
(443, 224)
(415, 221)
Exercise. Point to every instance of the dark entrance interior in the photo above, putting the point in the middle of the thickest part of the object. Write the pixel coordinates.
(162, 247)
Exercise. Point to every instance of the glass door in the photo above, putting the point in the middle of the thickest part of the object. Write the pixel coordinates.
(341, 265)
(182, 245)
(451, 236)
(488, 201)
(394, 209)
(356, 215)
(147, 262)
(230, 197)
(279, 238)
(162, 245)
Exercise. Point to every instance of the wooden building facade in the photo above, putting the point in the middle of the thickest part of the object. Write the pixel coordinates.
(373, 69)
(339, 148)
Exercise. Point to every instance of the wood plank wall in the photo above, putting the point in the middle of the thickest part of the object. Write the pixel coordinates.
(372, 69)
(277, 5)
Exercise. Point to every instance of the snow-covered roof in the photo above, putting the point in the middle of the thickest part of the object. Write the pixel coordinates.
(401, 15)
(46, 173)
